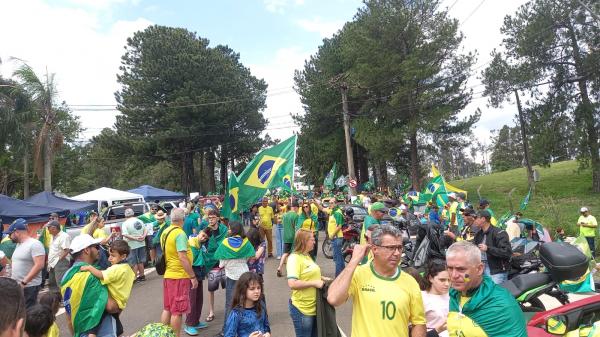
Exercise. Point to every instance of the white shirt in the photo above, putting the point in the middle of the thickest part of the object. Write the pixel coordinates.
(59, 243)
(234, 268)
(436, 308)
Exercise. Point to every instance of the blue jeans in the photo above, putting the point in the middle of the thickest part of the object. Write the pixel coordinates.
(107, 327)
(591, 242)
(338, 258)
(304, 326)
(229, 285)
(498, 278)
(278, 240)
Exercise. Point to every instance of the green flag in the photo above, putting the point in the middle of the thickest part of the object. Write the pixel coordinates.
(329, 179)
(435, 187)
(271, 168)
(230, 205)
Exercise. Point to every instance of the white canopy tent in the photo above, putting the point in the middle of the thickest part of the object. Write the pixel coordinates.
(110, 195)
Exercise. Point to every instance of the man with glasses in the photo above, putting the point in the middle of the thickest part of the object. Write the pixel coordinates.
(478, 307)
(385, 300)
(378, 210)
(27, 260)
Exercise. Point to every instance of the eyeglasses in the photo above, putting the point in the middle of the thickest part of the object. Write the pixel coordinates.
(392, 249)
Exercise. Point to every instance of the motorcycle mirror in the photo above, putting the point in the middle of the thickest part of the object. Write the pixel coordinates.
(557, 325)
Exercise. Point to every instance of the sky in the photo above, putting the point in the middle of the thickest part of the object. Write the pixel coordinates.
(81, 42)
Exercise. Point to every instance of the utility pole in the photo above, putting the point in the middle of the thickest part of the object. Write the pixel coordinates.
(525, 142)
(349, 154)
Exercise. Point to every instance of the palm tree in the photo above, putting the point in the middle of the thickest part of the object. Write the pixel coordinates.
(49, 137)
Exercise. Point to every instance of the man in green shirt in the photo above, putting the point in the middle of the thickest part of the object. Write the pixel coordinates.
(587, 227)
(289, 220)
(378, 210)
(334, 231)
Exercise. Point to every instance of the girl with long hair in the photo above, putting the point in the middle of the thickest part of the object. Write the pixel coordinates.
(308, 220)
(435, 297)
(248, 315)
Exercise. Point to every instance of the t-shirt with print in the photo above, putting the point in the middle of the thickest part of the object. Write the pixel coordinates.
(384, 306)
(462, 325)
(176, 242)
(302, 267)
(134, 227)
(22, 261)
(119, 278)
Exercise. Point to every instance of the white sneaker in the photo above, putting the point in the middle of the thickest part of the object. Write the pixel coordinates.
(279, 258)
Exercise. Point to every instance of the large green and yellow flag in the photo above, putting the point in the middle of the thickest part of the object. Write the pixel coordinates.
(435, 187)
(230, 208)
(271, 168)
(84, 298)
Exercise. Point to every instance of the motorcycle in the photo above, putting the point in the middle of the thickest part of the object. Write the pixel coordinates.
(351, 236)
(562, 262)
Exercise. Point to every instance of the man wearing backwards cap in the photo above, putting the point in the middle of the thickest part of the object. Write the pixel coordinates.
(587, 227)
(27, 260)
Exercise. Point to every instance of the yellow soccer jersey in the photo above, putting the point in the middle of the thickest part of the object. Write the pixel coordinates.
(383, 306)
(460, 325)
(119, 279)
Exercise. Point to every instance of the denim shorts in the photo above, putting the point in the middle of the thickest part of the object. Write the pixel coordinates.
(137, 256)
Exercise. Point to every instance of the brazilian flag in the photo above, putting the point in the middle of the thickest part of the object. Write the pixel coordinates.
(328, 182)
(234, 247)
(84, 298)
(435, 187)
(270, 169)
(230, 205)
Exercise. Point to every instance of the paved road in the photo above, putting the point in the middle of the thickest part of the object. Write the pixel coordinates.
(145, 304)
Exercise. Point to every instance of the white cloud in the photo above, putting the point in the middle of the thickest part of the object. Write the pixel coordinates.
(102, 4)
(71, 43)
(279, 6)
(317, 25)
(282, 100)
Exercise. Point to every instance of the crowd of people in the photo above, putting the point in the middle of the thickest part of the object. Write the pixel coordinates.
(455, 294)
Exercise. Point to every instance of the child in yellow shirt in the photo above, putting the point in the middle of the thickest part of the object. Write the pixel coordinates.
(118, 278)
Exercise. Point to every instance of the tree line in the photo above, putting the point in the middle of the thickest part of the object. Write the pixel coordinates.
(406, 77)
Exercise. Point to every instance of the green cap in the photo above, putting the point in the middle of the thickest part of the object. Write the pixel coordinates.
(378, 206)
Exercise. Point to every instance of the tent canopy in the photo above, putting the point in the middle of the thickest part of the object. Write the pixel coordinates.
(109, 195)
(51, 200)
(11, 209)
(153, 193)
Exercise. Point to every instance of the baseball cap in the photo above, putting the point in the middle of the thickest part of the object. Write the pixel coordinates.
(129, 212)
(452, 195)
(403, 207)
(484, 214)
(584, 209)
(468, 211)
(54, 215)
(379, 206)
(82, 241)
(19, 224)
(53, 223)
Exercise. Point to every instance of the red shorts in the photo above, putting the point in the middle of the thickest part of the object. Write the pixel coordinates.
(176, 295)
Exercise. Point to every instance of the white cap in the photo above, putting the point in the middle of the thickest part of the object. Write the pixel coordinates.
(403, 207)
(83, 241)
(583, 209)
(452, 195)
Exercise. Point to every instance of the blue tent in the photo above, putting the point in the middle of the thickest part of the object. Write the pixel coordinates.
(51, 200)
(11, 209)
(151, 193)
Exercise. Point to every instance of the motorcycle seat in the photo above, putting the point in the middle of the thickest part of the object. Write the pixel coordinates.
(520, 284)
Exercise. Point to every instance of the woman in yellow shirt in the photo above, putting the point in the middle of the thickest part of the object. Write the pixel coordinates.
(304, 277)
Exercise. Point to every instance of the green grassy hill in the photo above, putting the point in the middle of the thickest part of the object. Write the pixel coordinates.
(559, 194)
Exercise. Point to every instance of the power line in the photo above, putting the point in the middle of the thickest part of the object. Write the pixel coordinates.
(472, 12)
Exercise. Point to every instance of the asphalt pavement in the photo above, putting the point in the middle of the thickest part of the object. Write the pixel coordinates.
(145, 303)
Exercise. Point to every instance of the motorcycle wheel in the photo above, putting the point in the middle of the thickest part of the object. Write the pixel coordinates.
(533, 305)
(327, 248)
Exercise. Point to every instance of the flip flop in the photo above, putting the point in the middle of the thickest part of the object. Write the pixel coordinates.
(210, 318)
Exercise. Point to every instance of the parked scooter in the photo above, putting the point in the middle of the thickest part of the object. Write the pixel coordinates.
(562, 261)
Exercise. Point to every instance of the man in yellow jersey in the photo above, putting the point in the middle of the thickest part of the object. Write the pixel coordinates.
(478, 307)
(587, 227)
(267, 216)
(179, 276)
(385, 300)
